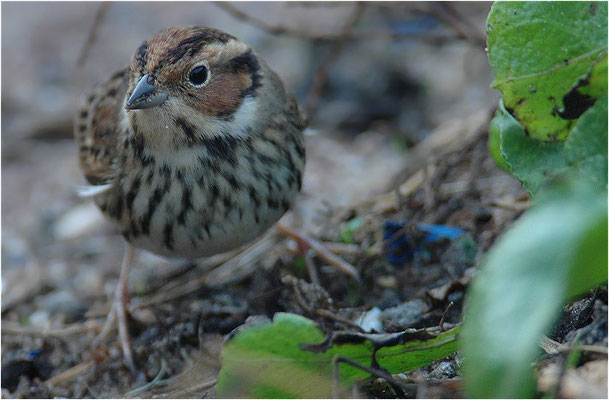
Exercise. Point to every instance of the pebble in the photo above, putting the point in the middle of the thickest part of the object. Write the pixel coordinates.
(371, 320)
(63, 303)
(77, 222)
(406, 315)
(444, 370)
(40, 319)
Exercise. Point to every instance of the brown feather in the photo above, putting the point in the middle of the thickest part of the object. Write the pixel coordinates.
(95, 128)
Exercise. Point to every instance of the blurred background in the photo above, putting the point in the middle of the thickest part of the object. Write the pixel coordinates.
(406, 69)
(387, 85)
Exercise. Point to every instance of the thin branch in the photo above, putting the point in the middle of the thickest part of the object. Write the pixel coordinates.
(441, 323)
(70, 374)
(435, 37)
(445, 12)
(552, 347)
(321, 251)
(11, 329)
(408, 388)
(99, 17)
(321, 76)
(156, 382)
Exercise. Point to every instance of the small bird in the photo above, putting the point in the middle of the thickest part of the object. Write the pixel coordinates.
(193, 150)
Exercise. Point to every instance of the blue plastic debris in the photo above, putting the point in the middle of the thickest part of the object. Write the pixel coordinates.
(33, 354)
(437, 232)
(399, 249)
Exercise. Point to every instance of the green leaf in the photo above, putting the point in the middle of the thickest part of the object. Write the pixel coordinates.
(531, 161)
(586, 148)
(556, 251)
(267, 361)
(494, 140)
(538, 51)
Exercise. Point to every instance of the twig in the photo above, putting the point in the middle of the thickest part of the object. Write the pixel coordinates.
(71, 373)
(311, 268)
(191, 390)
(9, 328)
(321, 76)
(321, 312)
(552, 347)
(441, 323)
(463, 28)
(331, 316)
(321, 251)
(156, 382)
(370, 35)
(376, 372)
(99, 17)
(241, 264)
(342, 248)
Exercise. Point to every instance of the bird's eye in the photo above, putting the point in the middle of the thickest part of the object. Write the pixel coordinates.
(198, 75)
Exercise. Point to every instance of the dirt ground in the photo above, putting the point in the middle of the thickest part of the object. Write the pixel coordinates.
(398, 139)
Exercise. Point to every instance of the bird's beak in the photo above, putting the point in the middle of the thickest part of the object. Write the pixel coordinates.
(145, 95)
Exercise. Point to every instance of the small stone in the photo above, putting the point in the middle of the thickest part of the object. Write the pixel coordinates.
(406, 315)
(89, 281)
(40, 319)
(444, 370)
(63, 303)
(77, 222)
(371, 320)
(387, 281)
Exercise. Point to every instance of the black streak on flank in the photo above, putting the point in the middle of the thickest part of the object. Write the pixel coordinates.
(187, 128)
(246, 62)
(222, 147)
(132, 193)
(168, 235)
(254, 196)
(186, 205)
(233, 181)
(153, 203)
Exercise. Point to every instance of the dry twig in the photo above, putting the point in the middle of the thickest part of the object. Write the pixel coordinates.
(92, 36)
(321, 76)
(436, 37)
(71, 373)
(408, 388)
(321, 251)
(12, 329)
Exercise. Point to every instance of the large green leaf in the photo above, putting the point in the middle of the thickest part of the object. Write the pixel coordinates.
(266, 361)
(539, 51)
(586, 148)
(557, 250)
(533, 162)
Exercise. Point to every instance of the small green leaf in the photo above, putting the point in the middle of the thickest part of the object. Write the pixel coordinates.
(494, 143)
(347, 229)
(267, 361)
(556, 251)
(531, 161)
(538, 51)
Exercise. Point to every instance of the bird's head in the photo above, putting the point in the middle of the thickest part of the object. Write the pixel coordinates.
(192, 82)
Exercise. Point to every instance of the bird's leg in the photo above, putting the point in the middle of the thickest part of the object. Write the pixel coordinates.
(118, 310)
(121, 300)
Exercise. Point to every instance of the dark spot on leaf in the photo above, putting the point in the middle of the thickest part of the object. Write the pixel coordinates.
(576, 103)
(592, 9)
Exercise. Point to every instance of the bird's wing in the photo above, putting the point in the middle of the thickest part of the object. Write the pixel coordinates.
(96, 128)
